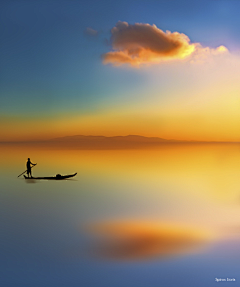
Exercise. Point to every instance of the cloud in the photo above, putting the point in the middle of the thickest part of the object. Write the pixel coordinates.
(145, 44)
(201, 54)
(144, 240)
(91, 32)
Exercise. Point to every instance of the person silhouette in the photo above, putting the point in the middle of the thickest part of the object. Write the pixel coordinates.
(29, 167)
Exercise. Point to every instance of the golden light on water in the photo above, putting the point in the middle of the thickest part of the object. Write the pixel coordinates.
(195, 185)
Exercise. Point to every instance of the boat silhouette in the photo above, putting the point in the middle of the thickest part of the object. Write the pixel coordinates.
(57, 177)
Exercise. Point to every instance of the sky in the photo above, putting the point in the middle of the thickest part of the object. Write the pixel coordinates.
(153, 68)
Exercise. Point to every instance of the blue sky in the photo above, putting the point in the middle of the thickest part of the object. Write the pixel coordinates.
(50, 66)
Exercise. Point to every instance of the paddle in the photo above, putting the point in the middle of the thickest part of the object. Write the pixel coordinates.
(26, 170)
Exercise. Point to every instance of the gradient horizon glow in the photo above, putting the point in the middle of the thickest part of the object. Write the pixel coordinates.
(161, 68)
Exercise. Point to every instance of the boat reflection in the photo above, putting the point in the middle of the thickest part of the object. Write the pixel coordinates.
(31, 180)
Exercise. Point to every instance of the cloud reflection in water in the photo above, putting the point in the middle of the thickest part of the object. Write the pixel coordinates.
(137, 240)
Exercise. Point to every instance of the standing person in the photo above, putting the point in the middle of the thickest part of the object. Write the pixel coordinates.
(29, 167)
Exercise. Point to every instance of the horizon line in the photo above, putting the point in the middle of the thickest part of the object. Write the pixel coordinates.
(118, 136)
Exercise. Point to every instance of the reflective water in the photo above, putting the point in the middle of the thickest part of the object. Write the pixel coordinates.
(163, 217)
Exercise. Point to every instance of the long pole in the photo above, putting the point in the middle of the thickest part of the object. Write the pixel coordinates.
(26, 170)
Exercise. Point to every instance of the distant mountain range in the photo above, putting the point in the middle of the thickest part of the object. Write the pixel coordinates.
(103, 142)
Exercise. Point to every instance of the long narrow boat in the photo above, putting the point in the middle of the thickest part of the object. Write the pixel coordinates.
(57, 177)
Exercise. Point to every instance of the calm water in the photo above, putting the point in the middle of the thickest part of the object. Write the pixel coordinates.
(188, 195)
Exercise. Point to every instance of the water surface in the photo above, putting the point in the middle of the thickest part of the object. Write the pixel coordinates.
(156, 203)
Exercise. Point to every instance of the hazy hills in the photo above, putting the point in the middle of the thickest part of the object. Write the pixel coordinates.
(118, 142)
(103, 142)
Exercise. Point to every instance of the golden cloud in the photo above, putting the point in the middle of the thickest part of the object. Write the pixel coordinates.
(145, 44)
(144, 240)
